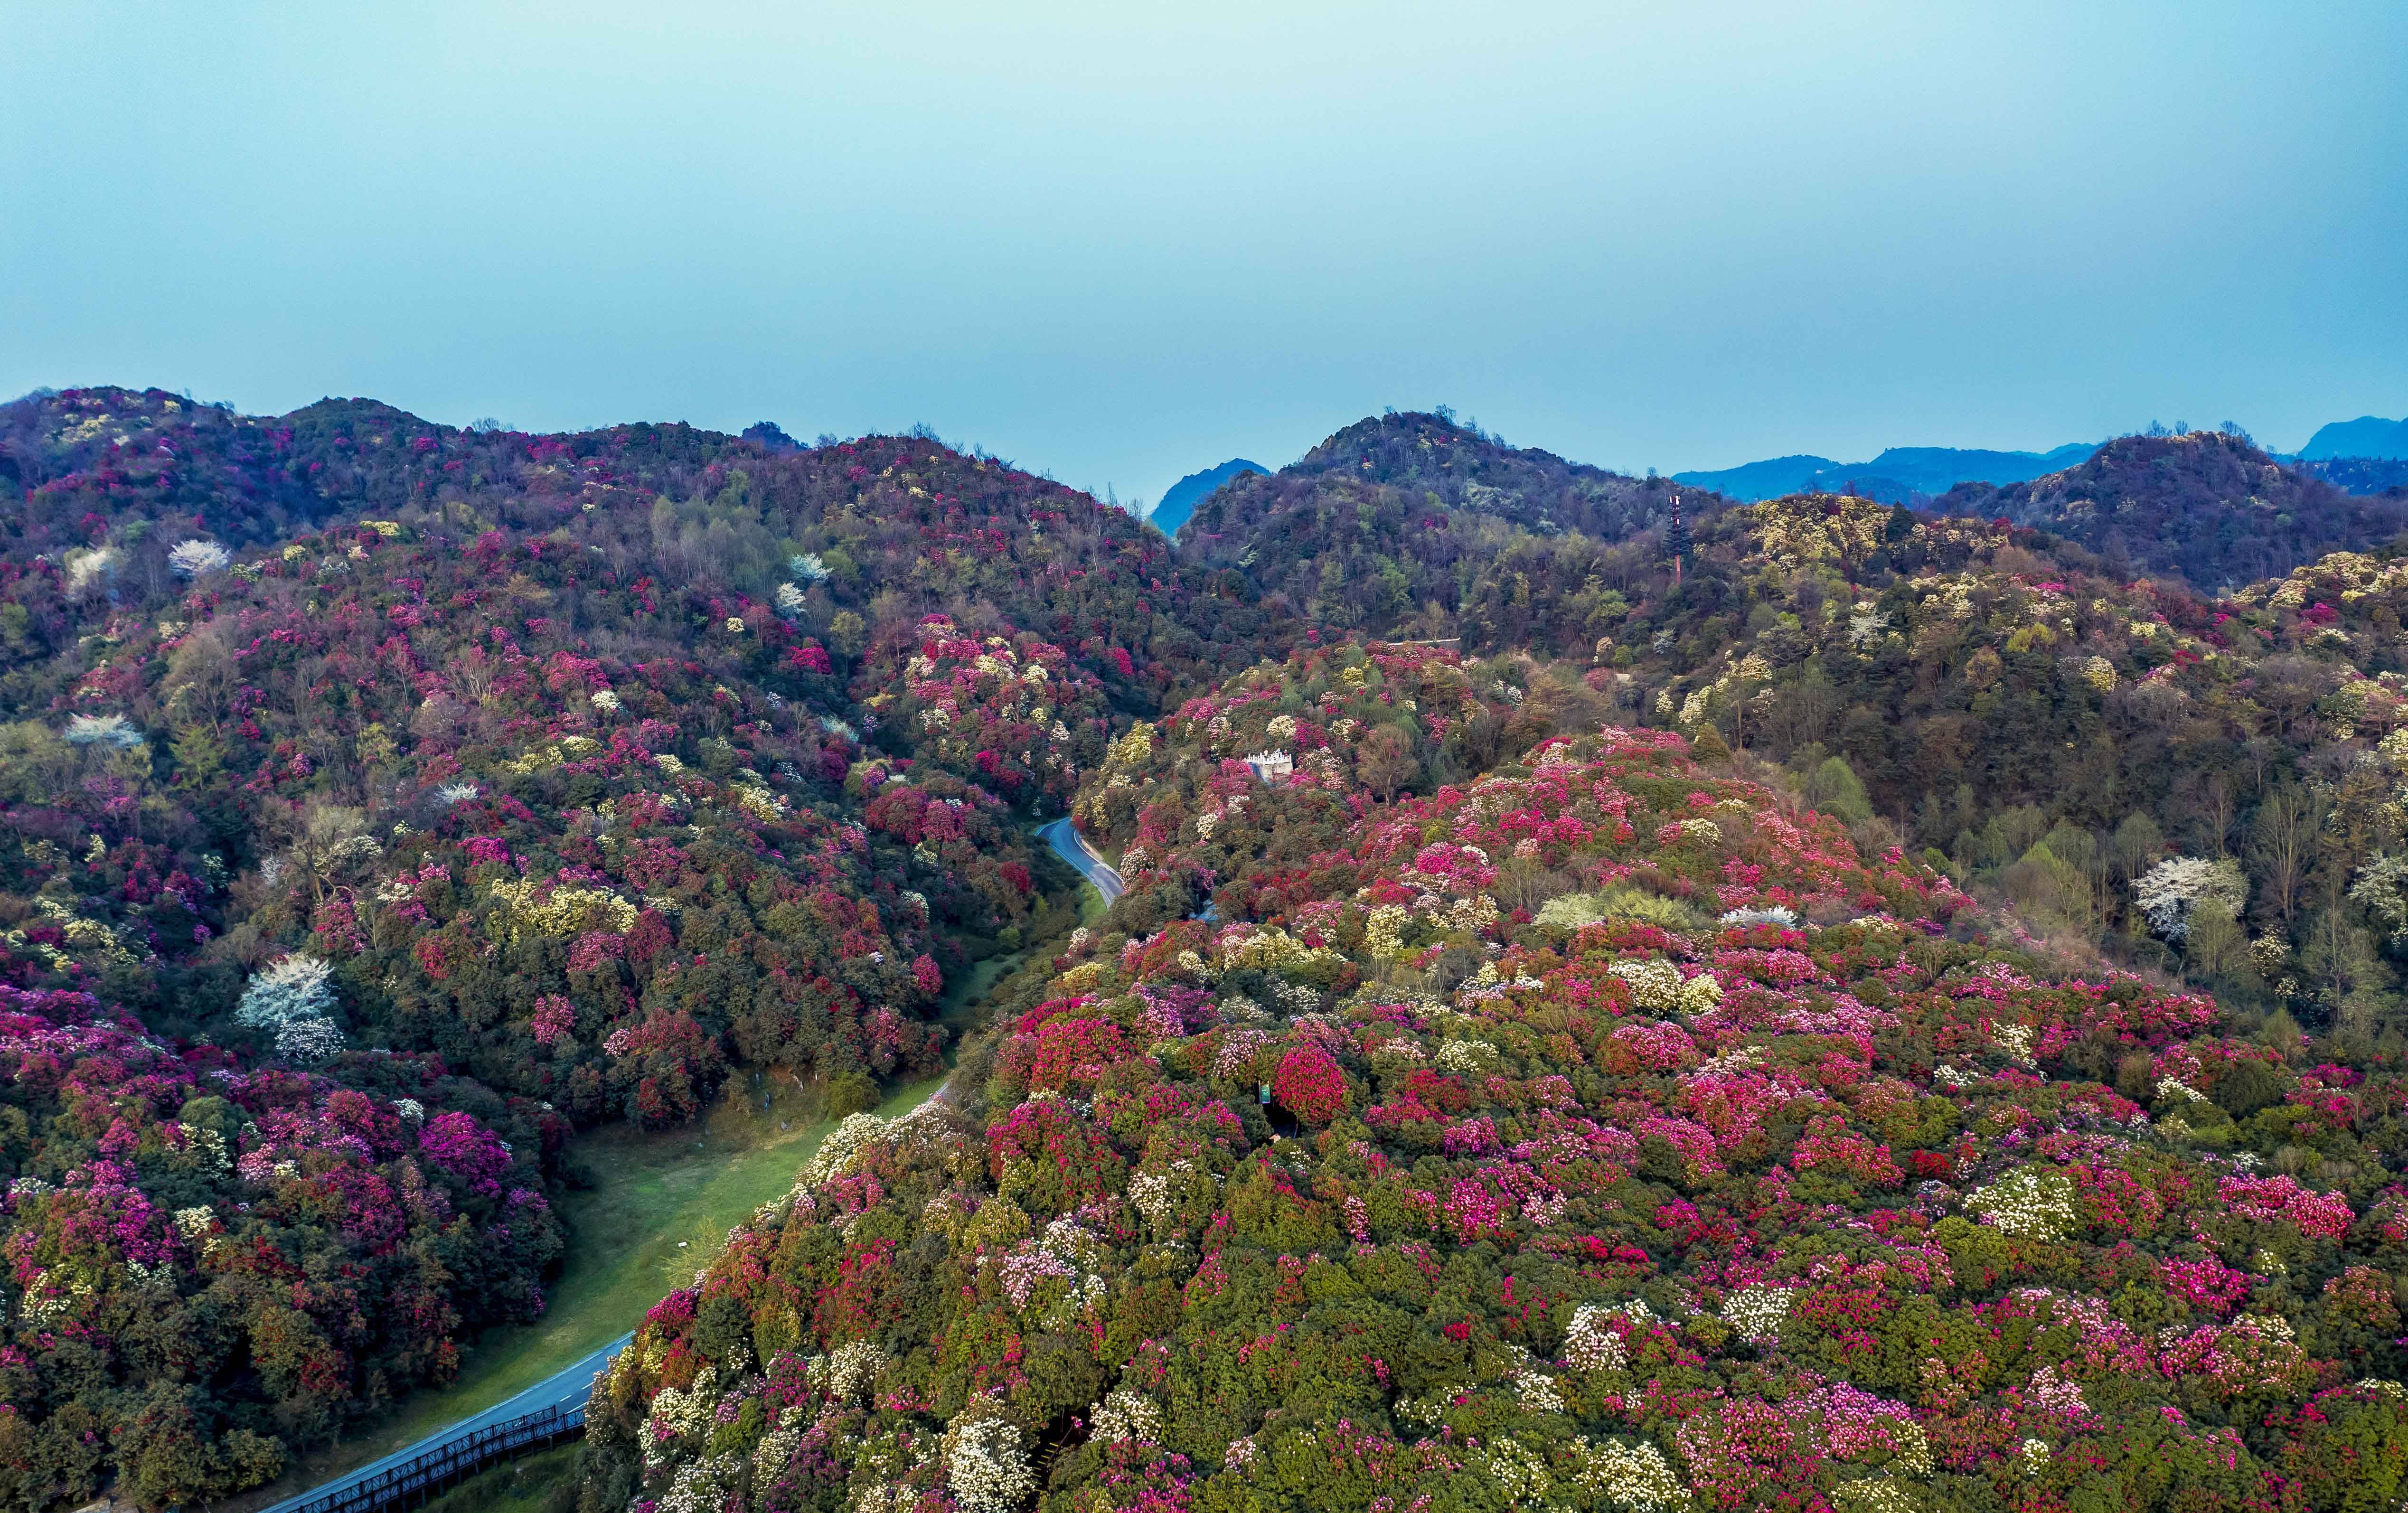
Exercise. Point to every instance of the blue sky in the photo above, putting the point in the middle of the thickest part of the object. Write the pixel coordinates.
(1120, 242)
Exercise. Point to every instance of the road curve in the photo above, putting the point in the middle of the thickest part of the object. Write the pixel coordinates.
(1072, 848)
(559, 1390)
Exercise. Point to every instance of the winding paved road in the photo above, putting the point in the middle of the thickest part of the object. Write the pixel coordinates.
(1072, 848)
(572, 1385)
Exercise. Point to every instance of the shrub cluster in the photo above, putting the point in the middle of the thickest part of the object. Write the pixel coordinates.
(210, 1264)
(1758, 1178)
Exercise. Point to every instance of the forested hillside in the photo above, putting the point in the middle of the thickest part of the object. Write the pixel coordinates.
(2057, 734)
(2206, 506)
(579, 740)
(1410, 519)
(354, 764)
(1600, 1131)
(1816, 1003)
(2043, 722)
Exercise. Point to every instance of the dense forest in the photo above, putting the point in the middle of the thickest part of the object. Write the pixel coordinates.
(1605, 1130)
(1395, 522)
(1809, 1004)
(2207, 506)
(349, 762)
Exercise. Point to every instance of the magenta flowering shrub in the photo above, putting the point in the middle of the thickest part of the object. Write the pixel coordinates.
(1310, 1084)
(1637, 1209)
(2282, 1199)
(457, 1145)
(263, 1255)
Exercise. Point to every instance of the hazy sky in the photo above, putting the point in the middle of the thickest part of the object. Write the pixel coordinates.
(1124, 241)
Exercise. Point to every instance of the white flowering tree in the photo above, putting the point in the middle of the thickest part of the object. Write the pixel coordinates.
(1755, 1312)
(848, 1372)
(1590, 1344)
(285, 992)
(986, 1462)
(2170, 894)
(308, 1042)
(2381, 888)
(1124, 1415)
(2031, 1202)
(295, 998)
(198, 559)
(92, 567)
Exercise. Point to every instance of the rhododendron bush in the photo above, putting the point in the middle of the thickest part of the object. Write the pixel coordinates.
(1770, 1177)
(210, 1265)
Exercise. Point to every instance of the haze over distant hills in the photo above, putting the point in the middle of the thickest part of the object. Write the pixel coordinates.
(1892, 477)
(1901, 473)
(2368, 435)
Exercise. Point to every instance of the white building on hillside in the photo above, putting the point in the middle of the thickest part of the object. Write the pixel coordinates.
(1270, 766)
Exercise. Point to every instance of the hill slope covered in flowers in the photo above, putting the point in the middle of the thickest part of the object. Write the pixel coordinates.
(1729, 1167)
(1502, 1105)
(380, 801)
(597, 763)
(2045, 728)
(211, 1262)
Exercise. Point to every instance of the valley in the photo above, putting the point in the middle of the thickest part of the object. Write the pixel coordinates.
(1463, 978)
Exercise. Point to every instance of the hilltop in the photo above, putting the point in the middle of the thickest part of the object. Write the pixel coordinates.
(1405, 520)
(2208, 506)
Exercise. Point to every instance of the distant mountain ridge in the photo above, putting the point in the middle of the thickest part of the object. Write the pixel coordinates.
(1896, 476)
(1179, 500)
(2368, 435)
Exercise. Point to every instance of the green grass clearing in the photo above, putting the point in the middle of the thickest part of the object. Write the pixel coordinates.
(649, 1193)
(544, 1483)
(644, 1194)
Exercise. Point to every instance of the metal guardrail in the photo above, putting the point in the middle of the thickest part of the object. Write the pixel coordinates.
(553, 1410)
(419, 1477)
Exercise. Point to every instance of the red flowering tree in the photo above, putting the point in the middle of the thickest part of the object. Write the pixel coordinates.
(1310, 1084)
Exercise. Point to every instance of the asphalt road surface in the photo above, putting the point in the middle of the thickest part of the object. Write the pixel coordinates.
(1071, 847)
